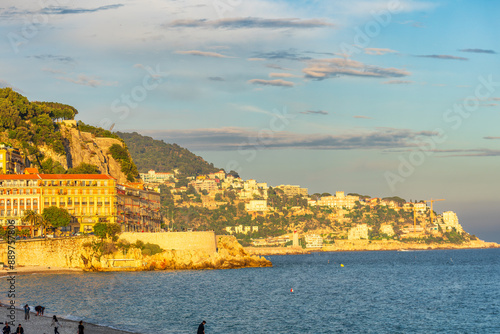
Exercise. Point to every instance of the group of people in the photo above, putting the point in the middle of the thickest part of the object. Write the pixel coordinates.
(39, 311)
(6, 329)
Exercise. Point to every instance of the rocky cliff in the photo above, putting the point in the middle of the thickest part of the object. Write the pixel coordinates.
(230, 255)
(85, 147)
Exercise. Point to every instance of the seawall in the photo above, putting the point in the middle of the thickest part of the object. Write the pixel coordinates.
(193, 241)
(67, 252)
(60, 252)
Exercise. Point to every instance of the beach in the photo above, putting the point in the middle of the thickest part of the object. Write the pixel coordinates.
(41, 324)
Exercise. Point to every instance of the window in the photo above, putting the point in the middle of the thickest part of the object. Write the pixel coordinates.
(28, 202)
(21, 202)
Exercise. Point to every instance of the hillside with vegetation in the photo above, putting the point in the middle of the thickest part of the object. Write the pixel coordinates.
(47, 135)
(149, 153)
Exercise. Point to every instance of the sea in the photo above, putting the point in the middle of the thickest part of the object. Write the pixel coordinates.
(438, 291)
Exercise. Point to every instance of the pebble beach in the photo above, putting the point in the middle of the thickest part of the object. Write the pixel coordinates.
(41, 324)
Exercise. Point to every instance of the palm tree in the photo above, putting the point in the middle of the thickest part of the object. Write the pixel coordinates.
(33, 218)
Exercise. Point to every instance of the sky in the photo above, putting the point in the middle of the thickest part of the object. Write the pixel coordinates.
(381, 98)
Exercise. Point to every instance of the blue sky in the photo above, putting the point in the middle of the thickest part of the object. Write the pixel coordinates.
(382, 98)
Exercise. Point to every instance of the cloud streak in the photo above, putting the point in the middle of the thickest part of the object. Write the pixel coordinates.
(443, 57)
(203, 54)
(234, 138)
(397, 82)
(478, 51)
(378, 51)
(251, 22)
(335, 67)
(68, 10)
(275, 82)
(314, 112)
(85, 80)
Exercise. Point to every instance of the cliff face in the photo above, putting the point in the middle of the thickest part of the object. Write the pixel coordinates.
(85, 147)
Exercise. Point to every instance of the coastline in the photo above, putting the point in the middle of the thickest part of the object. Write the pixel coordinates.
(368, 245)
(28, 270)
(41, 324)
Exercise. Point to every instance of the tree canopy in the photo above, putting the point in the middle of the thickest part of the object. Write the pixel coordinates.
(149, 153)
(56, 217)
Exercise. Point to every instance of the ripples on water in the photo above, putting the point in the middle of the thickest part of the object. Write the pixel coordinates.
(455, 291)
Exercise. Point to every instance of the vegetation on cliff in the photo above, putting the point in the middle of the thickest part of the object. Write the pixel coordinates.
(121, 155)
(149, 153)
(32, 124)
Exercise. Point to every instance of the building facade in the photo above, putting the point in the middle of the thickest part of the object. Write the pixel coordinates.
(138, 210)
(11, 160)
(89, 198)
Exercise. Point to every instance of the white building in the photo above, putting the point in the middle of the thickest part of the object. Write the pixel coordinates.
(338, 201)
(241, 229)
(450, 220)
(153, 177)
(358, 232)
(313, 241)
(256, 205)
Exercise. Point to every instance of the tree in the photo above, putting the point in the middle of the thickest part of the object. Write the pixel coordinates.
(33, 218)
(56, 217)
(106, 230)
(84, 168)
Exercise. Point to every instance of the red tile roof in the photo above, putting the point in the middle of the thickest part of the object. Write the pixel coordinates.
(56, 177)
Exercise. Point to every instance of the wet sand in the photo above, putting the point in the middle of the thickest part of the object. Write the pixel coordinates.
(41, 324)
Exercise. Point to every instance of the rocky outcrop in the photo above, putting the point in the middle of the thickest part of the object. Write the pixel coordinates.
(85, 147)
(230, 255)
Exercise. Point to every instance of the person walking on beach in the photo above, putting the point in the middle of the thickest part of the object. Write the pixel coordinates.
(80, 327)
(201, 328)
(6, 328)
(20, 329)
(55, 324)
(26, 312)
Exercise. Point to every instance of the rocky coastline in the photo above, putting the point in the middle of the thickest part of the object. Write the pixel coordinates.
(369, 245)
(230, 255)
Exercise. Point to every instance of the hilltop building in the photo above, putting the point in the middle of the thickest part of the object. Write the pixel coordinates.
(11, 160)
(450, 221)
(358, 232)
(256, 205)
(154, 177)
(241, 229)
(291, 191)
(338, 201)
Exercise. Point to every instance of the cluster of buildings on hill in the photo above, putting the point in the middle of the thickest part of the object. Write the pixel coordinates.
(255, 197)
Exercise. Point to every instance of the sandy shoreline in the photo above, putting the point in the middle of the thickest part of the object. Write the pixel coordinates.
(41, 324)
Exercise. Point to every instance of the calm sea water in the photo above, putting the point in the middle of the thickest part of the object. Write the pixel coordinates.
(455, 291)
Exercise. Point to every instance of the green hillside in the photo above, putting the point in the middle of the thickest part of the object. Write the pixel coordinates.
(149, 153)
